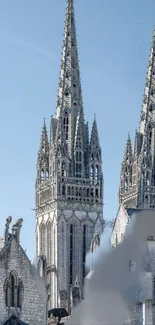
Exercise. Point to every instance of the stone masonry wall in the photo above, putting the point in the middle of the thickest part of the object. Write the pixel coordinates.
(33, 310)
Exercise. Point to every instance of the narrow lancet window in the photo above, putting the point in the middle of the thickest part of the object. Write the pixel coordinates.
(84, 249)
(65, 122)
(12, 291)
(71, 254)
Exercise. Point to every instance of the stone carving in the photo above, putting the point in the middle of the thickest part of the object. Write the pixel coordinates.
(63, 294)
(6, 233)
(16, 228)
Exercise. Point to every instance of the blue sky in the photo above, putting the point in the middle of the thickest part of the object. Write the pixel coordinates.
(114, 38)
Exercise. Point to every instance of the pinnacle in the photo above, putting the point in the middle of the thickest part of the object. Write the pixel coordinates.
(128, 147)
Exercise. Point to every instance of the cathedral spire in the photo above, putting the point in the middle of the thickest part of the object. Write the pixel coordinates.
(69, 91)
(138, 190)
(148, 106)
(69, 187)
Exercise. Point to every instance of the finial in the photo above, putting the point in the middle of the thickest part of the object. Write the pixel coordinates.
(94, 117)
(16, 229)
(6, 233)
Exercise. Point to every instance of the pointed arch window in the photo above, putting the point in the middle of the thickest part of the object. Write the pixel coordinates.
(154, 288)
(147, 179)
(92, 172)
(72, 190)
(47, 174)
(126, 184)
(49, 243)
(63, 169)
(12, 290)
(84, 249)
(20, 291)
(97, 173)
(71, 254)
(63, 190)
(42, 239)
(7, 292)
(150, 135)
(78, 166)
(66, 123)
(96, 193)
(42, 175)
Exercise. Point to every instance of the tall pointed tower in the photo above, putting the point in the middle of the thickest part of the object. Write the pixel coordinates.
(137, 186)
(69, 184)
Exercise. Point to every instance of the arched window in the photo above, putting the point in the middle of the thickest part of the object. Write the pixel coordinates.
(47, 174)
(63, 170)
(12, 290)
(68, 190)
(49, 244)
(147, 179)
(96, 193)
(42, 239)
(92, 172)
(84, 248)
(7, 291)
(150, 136)
(65, 123)
(63, 190)
(125, 184)
(71, 253)
(20, 291)
(154, 288)
(97, 173)
(78, 166)
(42, 176)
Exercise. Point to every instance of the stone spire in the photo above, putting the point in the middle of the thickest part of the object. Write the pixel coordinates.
(69, 92)
(71, 189)
(43, 156)
(148, 106)
(142, 169)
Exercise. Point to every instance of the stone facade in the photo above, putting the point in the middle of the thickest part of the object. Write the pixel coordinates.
(137, 181)
(69, 184)
(22, 291)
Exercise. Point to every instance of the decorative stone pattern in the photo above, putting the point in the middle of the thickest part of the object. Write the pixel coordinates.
(69, 184)
(137, 180)
(23, 296)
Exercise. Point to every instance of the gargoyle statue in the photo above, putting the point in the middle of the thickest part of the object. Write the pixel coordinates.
(16, 228)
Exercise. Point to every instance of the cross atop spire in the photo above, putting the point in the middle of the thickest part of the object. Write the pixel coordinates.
(69, 91)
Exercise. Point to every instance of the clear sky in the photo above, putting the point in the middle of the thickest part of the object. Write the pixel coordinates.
(114, 38)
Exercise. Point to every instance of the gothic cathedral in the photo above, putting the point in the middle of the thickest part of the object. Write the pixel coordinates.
(137, 184)
(69, 183)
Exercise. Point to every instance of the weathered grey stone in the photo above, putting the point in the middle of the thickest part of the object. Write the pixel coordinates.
(33, 300)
